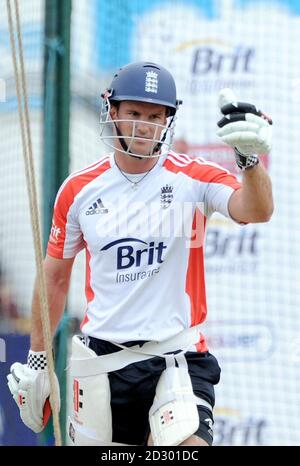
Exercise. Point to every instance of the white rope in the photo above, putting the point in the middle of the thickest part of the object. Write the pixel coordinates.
(21, 88)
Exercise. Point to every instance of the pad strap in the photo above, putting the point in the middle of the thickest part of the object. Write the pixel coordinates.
(116, 361)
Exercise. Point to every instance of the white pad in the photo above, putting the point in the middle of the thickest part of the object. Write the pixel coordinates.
(83, 437)
(92, 418)
(174, 414)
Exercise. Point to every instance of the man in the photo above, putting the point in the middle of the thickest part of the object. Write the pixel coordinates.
(140, 213)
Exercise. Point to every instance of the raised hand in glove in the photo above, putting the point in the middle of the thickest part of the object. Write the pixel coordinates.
(245, 128)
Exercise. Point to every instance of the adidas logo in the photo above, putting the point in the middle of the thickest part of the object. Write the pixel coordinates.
(97, 208)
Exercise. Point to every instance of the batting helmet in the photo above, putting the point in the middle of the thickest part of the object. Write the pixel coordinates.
(140, 82)
(145, 82)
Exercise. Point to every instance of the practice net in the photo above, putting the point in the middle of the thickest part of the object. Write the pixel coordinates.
(252, 271)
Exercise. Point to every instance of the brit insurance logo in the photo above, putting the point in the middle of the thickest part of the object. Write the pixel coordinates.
(141, 262)
(215, 63)
(218, 58)
(235, 428)
(54, 234)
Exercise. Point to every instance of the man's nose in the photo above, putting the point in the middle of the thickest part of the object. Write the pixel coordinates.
(142, 127)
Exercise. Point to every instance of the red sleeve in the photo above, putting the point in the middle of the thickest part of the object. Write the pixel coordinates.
(66, 238)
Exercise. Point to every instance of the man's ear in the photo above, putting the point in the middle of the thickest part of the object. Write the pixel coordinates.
(113, 112)
(167, 114)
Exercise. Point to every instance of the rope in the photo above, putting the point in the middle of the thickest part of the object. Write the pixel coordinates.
(21, 88)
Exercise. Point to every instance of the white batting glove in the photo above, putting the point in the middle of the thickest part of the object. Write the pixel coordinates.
(245, 128)
(30, 388)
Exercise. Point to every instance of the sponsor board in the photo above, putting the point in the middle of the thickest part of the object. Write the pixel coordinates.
(233, 427)
(236, 341)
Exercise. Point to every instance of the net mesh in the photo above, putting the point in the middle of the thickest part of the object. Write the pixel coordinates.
(252, 271)
(17, 261)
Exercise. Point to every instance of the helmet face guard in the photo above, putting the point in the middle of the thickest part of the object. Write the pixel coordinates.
(140, 82)
(110, 132)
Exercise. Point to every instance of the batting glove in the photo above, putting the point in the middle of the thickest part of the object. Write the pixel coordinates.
(246, 129)
(30, 388)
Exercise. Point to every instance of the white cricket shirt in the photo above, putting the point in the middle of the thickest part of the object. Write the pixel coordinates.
(144, 246)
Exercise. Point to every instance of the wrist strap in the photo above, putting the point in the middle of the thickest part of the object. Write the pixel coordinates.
(245, 161)
(37, 360)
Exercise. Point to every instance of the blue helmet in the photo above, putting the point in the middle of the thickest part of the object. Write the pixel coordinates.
(140, 82)
(145, 82)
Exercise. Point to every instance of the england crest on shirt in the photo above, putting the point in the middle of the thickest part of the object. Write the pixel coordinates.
(166, 196)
